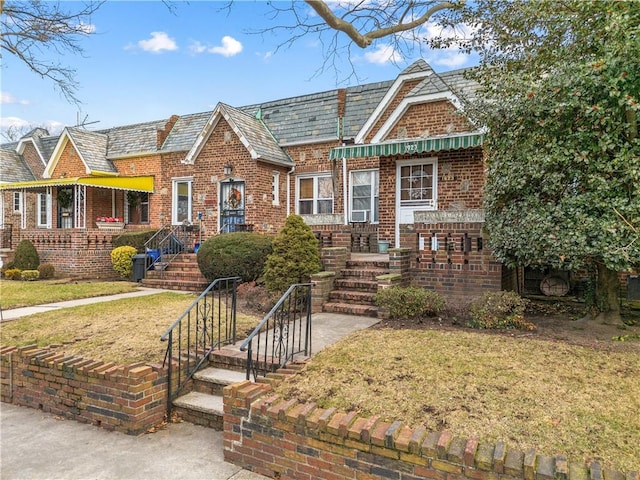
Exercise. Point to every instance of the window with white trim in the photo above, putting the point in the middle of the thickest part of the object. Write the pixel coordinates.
(315, 195)
(43, 210)
(181, 200)
(17, 202)
(364, 195)
(417, 184)
(275, 189)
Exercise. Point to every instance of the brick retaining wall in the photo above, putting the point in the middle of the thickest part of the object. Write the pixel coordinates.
(129, 399)
(286, 439)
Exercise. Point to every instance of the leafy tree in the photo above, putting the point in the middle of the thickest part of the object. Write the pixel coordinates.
(295, 256)
(560, 85)
(31, 29)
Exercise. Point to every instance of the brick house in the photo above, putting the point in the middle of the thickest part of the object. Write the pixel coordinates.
(394, 161)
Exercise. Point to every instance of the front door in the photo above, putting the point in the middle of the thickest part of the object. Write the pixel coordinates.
(232, 207)
(65, 207)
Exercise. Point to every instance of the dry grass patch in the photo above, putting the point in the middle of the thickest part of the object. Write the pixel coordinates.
(557, 398)
(122, 331)
(17, 294)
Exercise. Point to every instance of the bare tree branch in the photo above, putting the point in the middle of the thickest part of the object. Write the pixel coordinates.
(32, 30)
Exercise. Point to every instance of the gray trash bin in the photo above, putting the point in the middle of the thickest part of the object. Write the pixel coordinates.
(140, 262)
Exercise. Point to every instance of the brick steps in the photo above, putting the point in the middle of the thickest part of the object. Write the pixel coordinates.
(356, 287)
(182, 273)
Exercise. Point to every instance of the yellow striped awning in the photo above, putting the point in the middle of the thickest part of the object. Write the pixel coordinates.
(407, 147)
(142, 183)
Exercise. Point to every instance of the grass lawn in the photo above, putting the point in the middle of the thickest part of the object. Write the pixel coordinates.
(15, 294)
(555, 397)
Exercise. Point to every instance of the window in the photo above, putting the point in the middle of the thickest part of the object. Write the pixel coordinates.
(137, 207)
(417, 187)
(275, 189)
(364, 195)
(181, 201)
(315, 195)
(43, 208)
(17, 202)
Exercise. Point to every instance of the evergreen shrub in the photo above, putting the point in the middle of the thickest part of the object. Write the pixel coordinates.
(135, 239)
(46, 270)
(26, 256)
(410, 303)
(122, 260)
(499, 310)
(239, 254)
(30, 275)
(295, 256)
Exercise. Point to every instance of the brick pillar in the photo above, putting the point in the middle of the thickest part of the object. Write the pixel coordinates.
(322, 284)
(334, 259)
(400, 263)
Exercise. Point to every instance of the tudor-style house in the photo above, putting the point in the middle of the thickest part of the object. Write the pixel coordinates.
(392, 161)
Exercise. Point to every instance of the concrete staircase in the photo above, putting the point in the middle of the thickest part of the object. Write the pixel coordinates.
(182, 273)
(355, 288)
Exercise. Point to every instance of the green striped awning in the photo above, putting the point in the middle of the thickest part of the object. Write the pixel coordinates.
(407, 147)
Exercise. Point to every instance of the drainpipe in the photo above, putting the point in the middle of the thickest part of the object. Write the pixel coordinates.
(344, 191)
(289, 173)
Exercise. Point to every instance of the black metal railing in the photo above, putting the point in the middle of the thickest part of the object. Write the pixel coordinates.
(168, 242)
(208, 324)
(6, 241)
(283, 333)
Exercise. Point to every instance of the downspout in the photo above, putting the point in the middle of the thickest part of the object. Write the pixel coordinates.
(344, 190)
(289, 173)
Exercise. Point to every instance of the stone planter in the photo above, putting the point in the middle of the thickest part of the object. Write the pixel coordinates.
(110, 225)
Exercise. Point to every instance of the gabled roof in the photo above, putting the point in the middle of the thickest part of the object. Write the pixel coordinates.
(185, 132)
(136, 139)
(12, 167)
(251, 131)
(91, 148)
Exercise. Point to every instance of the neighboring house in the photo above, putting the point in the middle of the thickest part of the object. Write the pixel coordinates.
(395, 161)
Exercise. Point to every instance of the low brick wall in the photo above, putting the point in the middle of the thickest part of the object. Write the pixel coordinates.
(129, 399)
(286, 439)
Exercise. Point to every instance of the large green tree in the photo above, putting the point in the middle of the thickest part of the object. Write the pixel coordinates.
(560, 94)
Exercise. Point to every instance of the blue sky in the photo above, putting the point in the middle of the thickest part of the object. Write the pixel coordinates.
(145, 63)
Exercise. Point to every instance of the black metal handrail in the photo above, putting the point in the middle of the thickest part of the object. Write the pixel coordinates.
(208, 323)
(168, 242)
(283, 333)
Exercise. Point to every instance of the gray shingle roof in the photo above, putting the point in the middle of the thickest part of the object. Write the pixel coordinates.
(463, 87)
(92, 147)
(361, 102)
(132, 139)
(12, 167)
(185, 131)
(257, 135)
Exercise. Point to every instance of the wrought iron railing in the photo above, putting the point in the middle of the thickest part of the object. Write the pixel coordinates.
(6, 240)
(168, 242)
(283, 333)
(208, 324)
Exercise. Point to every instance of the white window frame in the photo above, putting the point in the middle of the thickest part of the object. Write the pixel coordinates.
(43, 209)
(275, 189)
(375, 189)
(316, 197)
(17, 202)
(174, 199)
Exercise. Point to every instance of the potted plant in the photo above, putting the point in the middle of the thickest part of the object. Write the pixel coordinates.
(109, 223)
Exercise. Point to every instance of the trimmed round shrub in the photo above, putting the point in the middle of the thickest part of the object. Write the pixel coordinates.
(122, 260)
(410, 303)
(46, 270)
(239, 254)
(12, 273)
(26, 256)
(295, 256)
(134, 238)
(30, 275)
(499, 310)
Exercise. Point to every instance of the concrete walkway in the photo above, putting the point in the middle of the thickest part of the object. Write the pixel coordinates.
(36, 446)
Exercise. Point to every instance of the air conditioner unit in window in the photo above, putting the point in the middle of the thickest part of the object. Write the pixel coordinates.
(359, 216)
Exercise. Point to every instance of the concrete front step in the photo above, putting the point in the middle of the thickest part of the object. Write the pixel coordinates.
(360, 310)
(212, 380)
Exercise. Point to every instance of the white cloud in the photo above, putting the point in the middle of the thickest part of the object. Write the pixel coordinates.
(383, 54)
(451, 59)
(7, 98)
(17, 122)
(158, 43)
(86, 28)
(229, 48)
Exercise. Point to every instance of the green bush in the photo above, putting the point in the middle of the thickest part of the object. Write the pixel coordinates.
(134, 238)
(46, 270)
(122, 260)
(410, 303)
(240, 254)
(12, 273)
(295, 256)
(30, 275)
(26, 257)
(499, 310)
